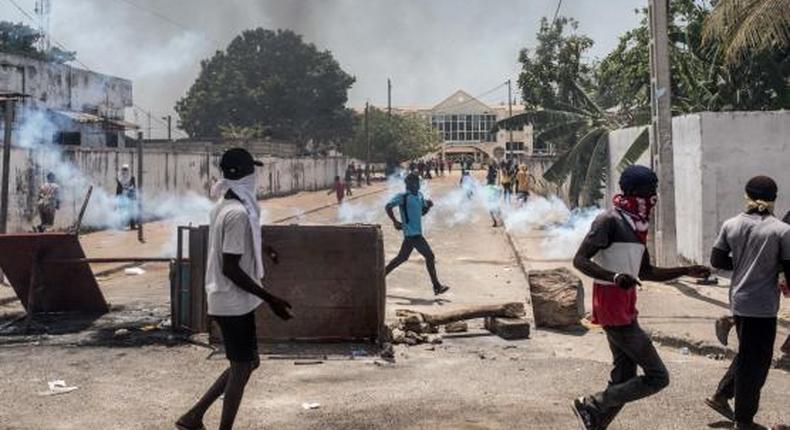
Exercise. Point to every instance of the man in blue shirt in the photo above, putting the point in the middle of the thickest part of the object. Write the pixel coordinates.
(413, 206)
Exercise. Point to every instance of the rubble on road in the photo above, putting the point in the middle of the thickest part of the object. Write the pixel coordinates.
(508, 328)
(557, 298)
(415, 328)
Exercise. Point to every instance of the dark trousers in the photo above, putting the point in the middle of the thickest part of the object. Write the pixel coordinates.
(631, 348)
(419, 243)
(749, 369)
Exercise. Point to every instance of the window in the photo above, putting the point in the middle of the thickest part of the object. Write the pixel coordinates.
(514, 146)
(540, 147)
(68, 138)
(111, 140)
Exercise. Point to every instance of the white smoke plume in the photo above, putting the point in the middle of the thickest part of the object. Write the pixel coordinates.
(35, 134)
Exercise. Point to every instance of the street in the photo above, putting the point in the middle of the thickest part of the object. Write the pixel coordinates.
(471, 381)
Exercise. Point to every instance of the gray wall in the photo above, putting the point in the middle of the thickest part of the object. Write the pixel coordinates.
(715, 154)
(165, 173)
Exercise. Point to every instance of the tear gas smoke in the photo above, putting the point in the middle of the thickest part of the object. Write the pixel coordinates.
(563, 229)
(35, 134)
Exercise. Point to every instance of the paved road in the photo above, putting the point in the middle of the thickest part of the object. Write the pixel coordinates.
(474, 381)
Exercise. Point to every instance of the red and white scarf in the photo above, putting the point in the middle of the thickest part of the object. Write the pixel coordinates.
(636, 211)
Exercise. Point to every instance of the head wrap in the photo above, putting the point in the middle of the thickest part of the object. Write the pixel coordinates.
(638, 180)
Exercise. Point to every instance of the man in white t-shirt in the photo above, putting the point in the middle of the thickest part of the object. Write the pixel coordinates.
(234, 289)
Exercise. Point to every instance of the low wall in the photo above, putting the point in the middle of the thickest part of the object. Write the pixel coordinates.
(165, 173)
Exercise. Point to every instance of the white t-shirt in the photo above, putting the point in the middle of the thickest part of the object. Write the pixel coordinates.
(229, 233)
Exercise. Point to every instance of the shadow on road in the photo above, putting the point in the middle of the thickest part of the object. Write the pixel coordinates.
(412, 301)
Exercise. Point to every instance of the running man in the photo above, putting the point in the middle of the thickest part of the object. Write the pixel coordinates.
(614, 254)
(413, 206)
(755, 246)
(234, 274)
(522, 184)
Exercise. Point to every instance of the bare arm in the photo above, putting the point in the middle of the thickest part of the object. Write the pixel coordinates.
(233, 271)
(391, 215)
(649, 272)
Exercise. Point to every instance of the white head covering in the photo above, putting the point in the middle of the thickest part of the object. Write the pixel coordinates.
(125, 176)
(244, 188)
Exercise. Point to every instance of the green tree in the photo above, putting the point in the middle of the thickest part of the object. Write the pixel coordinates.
(701, 81)
(556, 85)
(20, 39)
(393, 138)
(741, 27)
(273, 83)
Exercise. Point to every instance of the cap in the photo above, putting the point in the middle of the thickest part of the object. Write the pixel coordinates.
(237, 163)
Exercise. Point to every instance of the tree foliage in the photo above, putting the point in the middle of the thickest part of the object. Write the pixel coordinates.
(741, 27)
(20, 39)
(393, 138)
(270, 83)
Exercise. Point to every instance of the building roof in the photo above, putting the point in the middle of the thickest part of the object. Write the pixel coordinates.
(89, 118)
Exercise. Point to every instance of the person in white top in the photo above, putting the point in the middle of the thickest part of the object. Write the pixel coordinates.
(234, 290)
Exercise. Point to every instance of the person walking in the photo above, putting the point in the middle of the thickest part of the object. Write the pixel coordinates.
(413, 206)
(614, 254)
(48, 202)
(522, 184)
(234, 285)
(349, 177)
(755, 246)
(339, 188)
(506, 180)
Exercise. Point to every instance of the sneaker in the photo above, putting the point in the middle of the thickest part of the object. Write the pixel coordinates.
(586, 414)
(721, 406)
(723, 327)
(441, 289)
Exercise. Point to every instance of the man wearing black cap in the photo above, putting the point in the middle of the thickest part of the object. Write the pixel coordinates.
(234, 274)
(755, 246)
(413, 206)
(614, 254)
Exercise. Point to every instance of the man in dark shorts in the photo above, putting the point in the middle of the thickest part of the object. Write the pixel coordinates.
(614, 254)
(234, 274)
(755, 246)
(413, 206)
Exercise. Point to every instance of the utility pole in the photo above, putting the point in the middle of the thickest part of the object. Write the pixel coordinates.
(139, 184)
(9, 118)
(169, 120)
(149, 124)
(367, 132)
(510, 115)
(661, 136)
(389, 97)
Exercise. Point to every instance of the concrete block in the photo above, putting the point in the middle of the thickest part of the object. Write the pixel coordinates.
(508, 328)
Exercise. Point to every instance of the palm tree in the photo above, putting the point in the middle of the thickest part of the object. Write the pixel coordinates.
(740, 26)
(581, 132)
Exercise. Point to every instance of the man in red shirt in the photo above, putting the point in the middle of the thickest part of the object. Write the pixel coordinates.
(614, 254)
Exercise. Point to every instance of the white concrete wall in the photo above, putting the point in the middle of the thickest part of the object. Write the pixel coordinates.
(715, 153)
(164, 173)
(619, 142)
(735, 147)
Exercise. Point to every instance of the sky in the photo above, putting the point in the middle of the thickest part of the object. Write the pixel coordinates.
(429, 48)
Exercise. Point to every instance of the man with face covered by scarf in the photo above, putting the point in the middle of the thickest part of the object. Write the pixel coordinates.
(615, 255)
(234, 284)
(413, 206)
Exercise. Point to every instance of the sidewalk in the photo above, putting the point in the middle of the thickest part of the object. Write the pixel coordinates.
(677, 314)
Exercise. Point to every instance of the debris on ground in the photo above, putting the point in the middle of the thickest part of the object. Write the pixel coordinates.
(307, 362)
(557, 298)
(415, 328)
(121, 333)
(387, 352)
(309, 406)
(508, 328)
(134, 271)
(685, 351)
(456, 327)
(57, 387)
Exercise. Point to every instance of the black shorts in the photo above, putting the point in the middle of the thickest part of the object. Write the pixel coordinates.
(238, 335)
